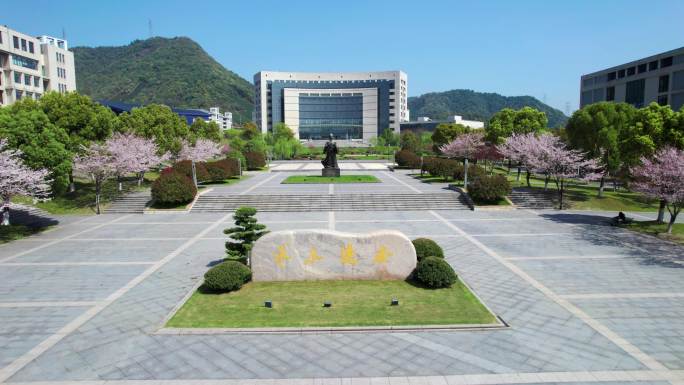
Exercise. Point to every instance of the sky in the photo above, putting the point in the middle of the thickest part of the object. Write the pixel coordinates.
(514, 47)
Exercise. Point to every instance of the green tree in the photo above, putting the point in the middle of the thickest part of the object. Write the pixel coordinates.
(597, 129)
(509, 121)
(445, 133)
(201, 129)
(250, 131)
(157, 122)
(390, 137)
(410, 141)
(425, 142)
(282, 131)
(245, 232)
(44, 145)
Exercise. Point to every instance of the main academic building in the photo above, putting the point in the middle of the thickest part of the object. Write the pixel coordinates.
(350, 105)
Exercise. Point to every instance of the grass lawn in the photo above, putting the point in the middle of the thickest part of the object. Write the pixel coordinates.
(227, 182)
(354, 303)
(500, 202)
(314, 179)
(14, 232)
(427, 178)
(658, 229)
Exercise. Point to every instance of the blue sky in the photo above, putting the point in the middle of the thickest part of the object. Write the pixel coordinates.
(537, 48)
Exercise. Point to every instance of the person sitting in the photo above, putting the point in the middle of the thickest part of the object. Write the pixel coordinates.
(621, 219)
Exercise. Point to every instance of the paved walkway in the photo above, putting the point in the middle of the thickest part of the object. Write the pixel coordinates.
(586, 303)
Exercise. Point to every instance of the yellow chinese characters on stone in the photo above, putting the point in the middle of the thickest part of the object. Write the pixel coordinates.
(313, 257)
(281, 256)
(382, 255)
(347, 256)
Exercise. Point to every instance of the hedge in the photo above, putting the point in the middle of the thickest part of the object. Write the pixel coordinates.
(185, 167)
(489, 188)
(407, 159)
(222, 169)
(255, 160)
(427, 248)
(474, 172)
(227, 276)
(445, 168)
(173, 188)
(435, 273)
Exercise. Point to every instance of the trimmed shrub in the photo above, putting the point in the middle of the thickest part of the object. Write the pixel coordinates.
(222, 169)
(474, 172)
(237, 155)
(489, 188)
(427, 248)
(227, 276)
(407, 159)
(173, 188)
(255, 160)
(441, 167)
(185, 167)
(435, 273)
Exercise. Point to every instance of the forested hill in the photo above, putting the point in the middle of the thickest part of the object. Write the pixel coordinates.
(173, 71)
(476, 105)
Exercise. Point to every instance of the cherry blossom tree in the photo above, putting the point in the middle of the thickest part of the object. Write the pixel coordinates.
(202, 150)
(662, 177)
(97, 163)
(523, 148)
(134, 154)
(464, 146)
(18, 179)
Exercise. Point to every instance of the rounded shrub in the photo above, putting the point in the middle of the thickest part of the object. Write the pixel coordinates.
(227, 276)
(237, 157)
(222, 169)
(255, 160)
(173, 188)
(435, 273)
(185, 167)
(427, 248)
(474, 172)
(407, 159)
(489, 188)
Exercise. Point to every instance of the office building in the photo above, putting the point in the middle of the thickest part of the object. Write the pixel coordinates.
(356, 106)
(658, 78)
(31, 66)
(423, 123)
(224, 120)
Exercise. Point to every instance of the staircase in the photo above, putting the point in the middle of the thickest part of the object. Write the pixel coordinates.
(336, 202)
(131, 203)
(527, 198)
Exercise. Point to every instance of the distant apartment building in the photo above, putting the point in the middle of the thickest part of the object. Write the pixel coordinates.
(423, 123)
(31, 66)
(350, 105)
(658, 78)
(224, 120)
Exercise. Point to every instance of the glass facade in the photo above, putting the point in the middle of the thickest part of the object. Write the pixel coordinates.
(24, 62)
(319, 116)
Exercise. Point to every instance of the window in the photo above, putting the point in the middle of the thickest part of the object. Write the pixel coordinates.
(36, 81)
(634, 93)
(27, 79)
(631, 71)
(662, 100)
(666, 62)
(23, 45)
(642, 68)
(664, 83)
(17, 77)
(18, 94)
(610, 94)
(31, 47)
(612, 75)
(652, 66)
(24, 62)
(15, 40)
(621, 74)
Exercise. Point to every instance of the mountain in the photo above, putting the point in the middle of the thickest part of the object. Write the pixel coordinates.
(476, 105)
(173, 71)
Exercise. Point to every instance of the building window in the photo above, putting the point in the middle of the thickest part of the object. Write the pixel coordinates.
(24, 62)
(631, 71)
(662, 100)
(666, 62)
(652, 66)
(664, 83)
(642, 68)
(610, 94)
(31, 47)
(17, 77)
(612, 75)
(36, 81)
(27, 79)
(23, 45)
(634, 93)
(18, 94)
(621, 74)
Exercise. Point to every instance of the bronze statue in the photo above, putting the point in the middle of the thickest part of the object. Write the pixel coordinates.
(330, 167)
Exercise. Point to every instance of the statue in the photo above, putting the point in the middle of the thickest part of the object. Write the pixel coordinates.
(330, 167)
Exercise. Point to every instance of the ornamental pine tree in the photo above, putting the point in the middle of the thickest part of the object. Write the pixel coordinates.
(246, 232)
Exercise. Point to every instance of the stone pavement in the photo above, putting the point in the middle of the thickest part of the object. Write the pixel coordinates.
(587, 303)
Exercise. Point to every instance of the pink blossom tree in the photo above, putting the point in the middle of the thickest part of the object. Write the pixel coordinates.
(134, 154)
(201, 151)
(97, 163)
(663, 178)
(464, 146)
(18, 179)
(523, 149)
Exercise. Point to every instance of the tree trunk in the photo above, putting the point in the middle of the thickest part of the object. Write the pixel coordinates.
(141, 177)
(614, 185)
(5, 213)
(72, 185)
(509, 166)
(602, 183)
(97, 196)
(194, 174)
(546, 182)
(562, 187)
(661, 212)
(673, 217)
(465, 174)
(528, 179)
(517, 178)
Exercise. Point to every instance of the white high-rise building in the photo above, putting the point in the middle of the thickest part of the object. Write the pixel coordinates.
(349, 105)
(31, 66)
(224, 120)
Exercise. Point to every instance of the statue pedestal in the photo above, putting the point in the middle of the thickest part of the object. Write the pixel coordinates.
(331, 172)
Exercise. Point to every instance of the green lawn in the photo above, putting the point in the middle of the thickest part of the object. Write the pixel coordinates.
(500, 202)
(658, 229)
(14, 232)
(228, 181)
(354, 303)
(314, 179)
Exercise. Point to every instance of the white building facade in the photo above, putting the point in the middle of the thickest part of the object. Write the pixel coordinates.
(31, 66)
(349, 105)
(224, 120)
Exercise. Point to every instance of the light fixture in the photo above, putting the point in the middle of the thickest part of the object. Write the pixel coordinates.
(268, 303)
(395, 302)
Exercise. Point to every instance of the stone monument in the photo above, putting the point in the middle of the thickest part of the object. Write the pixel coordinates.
(330, 167)
(298, 255)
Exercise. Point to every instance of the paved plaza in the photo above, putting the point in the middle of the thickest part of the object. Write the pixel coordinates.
(585, 302)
